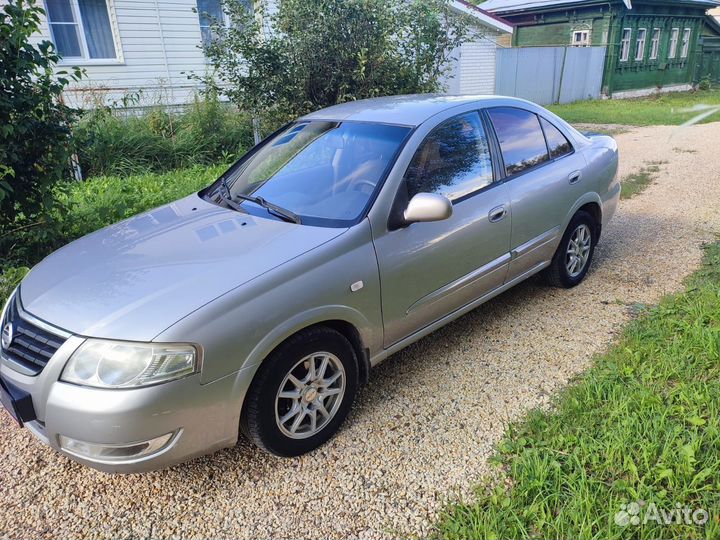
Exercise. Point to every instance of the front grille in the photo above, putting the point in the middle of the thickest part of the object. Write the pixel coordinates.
(31, 346)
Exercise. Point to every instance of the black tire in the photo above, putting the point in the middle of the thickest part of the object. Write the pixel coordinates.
(258, 419)
(557, 274)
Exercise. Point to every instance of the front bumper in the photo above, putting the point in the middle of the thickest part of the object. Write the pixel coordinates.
(202, 418)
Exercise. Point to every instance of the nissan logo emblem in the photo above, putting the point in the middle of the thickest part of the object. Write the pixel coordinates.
(7, 335)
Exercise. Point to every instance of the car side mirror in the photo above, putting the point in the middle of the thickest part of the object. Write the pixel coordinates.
(425, 207)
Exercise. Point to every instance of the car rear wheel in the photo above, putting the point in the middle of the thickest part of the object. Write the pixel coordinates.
(302, 393)
(572, 259)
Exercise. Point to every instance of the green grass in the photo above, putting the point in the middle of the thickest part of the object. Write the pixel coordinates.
(664, 109)
(635, 183)
(642, 425)
(84, 207)
(604, 129)
(104, 200)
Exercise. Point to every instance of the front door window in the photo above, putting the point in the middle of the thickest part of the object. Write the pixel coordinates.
(454, 159)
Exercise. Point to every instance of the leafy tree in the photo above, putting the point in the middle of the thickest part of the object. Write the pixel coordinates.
(314, 53)
(34, 123)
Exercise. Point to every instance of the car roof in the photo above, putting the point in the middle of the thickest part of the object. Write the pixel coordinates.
(410, 110)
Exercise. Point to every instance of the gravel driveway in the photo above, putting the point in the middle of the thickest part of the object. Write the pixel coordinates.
(422, 431)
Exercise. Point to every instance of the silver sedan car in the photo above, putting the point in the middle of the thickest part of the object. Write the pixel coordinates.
(261, 303)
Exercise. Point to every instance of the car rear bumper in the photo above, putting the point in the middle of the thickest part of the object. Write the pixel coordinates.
(611, 202)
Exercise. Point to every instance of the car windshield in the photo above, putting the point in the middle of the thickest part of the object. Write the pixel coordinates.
(324, 172)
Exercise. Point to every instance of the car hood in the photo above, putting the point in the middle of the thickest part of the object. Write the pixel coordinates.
(136, 278)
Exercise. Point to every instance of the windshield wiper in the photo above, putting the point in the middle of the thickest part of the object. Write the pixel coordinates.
(225, 196)
(274, 209)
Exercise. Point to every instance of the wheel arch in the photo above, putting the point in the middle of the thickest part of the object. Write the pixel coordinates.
(348, 322)
(346, 328)
(590, 203)
(595, 211)
(352, 334)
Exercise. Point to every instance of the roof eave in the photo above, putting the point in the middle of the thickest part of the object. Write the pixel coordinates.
(487, 18)
(554, 5)
(540, 6)
(713, 22)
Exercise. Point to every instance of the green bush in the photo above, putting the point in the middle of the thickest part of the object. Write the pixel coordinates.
(113, 142)
(34, 132)
(9, 279)
(324, 52)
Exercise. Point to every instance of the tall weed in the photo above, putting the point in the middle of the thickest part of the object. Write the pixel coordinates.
(111, 141)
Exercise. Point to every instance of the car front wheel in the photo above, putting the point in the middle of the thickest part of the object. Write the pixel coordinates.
(574, 254)
(302, 393)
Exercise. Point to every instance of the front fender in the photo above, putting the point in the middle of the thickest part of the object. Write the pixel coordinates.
(308, 318)
(239, 329)
(300, 321)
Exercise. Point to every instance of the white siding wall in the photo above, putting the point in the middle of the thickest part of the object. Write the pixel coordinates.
(451, 79)
(477, 66)
(157, 40)
(473, 70)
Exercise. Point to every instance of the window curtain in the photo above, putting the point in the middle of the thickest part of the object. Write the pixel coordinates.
(209, 12)
(64, 28)
(98, 33)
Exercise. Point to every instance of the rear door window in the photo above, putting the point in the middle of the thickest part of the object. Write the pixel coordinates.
(521, 139)
(557, 142)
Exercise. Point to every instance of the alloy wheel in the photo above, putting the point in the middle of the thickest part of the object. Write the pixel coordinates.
(310, 395)
(578, 250)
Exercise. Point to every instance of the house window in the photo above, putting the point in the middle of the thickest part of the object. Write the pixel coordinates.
(625, 45)
(81, 29)
(655, 44)
(209, 12)
(581, 38)
(674, 36)
(686, 43)
(640, 42)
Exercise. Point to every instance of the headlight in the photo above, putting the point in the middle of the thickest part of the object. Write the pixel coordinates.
(117, 364)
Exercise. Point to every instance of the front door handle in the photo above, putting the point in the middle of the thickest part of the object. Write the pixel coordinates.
(497, 214)
(574, 177)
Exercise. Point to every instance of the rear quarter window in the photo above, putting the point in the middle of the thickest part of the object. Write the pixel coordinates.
(557, 143)
(521, 138)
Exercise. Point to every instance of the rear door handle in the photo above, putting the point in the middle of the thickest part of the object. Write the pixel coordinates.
(497, 214)
(574, 177)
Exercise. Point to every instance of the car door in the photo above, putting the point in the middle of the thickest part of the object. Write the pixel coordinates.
(544, 179)
(428, 270)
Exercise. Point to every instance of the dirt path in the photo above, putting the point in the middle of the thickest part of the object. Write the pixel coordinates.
(423, 429)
